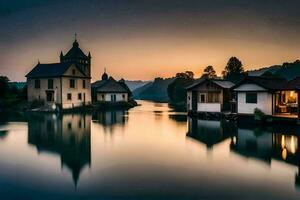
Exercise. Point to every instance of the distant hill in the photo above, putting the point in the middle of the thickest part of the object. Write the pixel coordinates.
(155, 91)
(264, 70)
(133, 85)
(286, 70)
(289, 70)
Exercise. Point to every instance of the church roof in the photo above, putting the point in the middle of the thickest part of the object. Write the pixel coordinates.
(110, 85)
(75, 52)
(48, 70)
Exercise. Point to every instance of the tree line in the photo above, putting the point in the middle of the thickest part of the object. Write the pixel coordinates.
(11, 96)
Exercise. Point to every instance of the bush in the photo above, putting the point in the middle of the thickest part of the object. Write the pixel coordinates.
(258, 114)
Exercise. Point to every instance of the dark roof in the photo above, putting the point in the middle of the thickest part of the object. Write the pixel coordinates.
(196, 82)
(75, 52)
(48, 70)
(224, 83)
(220, 82)
(269, 83)
(109, 85)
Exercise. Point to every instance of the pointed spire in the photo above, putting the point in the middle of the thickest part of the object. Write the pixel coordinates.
(104, 75)
(39, 61)
(75, 43)
(89, 54)
(61, 54)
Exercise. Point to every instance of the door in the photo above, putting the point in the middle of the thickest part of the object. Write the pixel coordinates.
(50, 96)
(194, 100)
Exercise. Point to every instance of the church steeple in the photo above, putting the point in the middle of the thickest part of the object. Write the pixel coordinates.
(75, 43)
(104, 75)
(76, 55)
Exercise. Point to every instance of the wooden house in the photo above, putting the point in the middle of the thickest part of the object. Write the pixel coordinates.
(209, 95)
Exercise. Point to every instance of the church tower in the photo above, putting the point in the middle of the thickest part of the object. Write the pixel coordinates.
(76, 55)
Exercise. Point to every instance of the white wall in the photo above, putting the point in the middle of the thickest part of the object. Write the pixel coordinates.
(40, 93)
(209, 107)
(75, 102)
(264, 103)
(107, 97)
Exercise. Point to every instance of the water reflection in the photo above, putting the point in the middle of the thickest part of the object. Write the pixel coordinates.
(210, 132)
(3, 134)
(109, 119)
(268, 143)
(141, 154)
(68, 136)
(260, 143)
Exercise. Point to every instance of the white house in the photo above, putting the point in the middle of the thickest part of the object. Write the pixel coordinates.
(66, 84)
(273, 96)
(109, 90)
(209, 95)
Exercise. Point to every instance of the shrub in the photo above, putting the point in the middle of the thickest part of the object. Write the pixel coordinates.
(258, 114)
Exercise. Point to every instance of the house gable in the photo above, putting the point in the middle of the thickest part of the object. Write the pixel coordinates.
(74, 71)
(249, 87)
(206, 85)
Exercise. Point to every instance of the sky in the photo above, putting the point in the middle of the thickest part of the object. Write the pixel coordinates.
(144, 39)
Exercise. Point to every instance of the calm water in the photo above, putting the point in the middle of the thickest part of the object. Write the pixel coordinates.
(149, 152)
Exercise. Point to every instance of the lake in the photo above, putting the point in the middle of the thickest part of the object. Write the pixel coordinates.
(148, 152)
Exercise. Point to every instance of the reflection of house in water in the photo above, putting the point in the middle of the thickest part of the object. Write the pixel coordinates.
(110, 118)
(67, 135)
(178, 117)
(253, 143)
(210, 132)
(266, 145)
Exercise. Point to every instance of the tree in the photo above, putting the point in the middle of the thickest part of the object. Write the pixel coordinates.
(209, 72)
(3, 86)
(233, 67)
(176, 89)
(185, 75)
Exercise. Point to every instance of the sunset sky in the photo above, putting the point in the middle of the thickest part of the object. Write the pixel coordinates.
(143, 39)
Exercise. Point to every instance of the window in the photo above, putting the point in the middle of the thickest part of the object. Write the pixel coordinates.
(123, 96)
(50, 83)
(251, 97)
(213, 97)
(202, 98)
(79, 96)
(37, 83)
(209, 97)
(69, 126)
(83, 83)
(73, 71)
(72, 83)
(113, 97)
(69, 96)
(102, 97)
